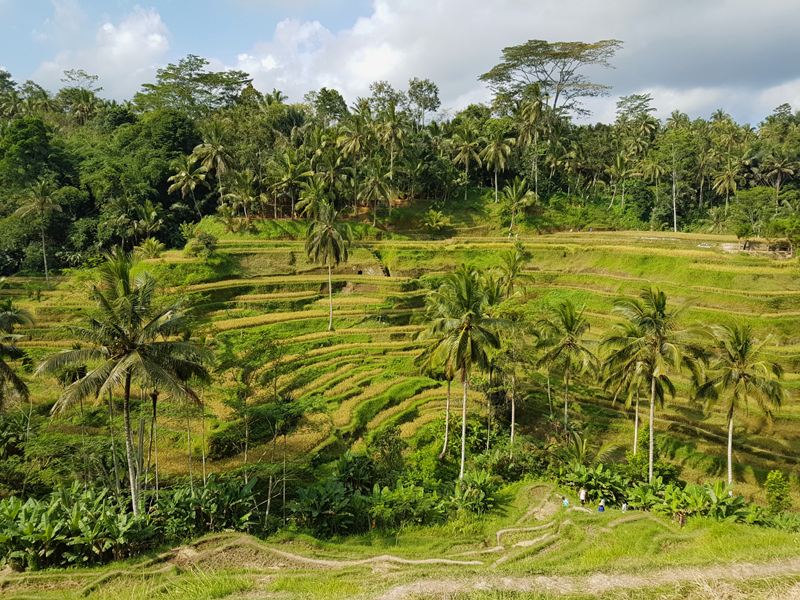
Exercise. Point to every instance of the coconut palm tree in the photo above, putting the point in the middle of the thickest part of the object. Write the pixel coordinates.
(327, 243)
(627, 376)
(566, 339)
(289, 171)
(653, 345)
(353, 139)
(512, 263)
(212, 153)
(40, 200)
(494, 155)
(726, 181)
(312, 196)
(528, 117)
(740, 376)
(518, 196)
(134, 342)
(186, 178)
(375, 187)
(461, 333)
(10, 316)
(779, 167)
(466, 144)
(391, 133)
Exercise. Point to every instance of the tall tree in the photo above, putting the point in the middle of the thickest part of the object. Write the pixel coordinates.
(213, 153)
(740, 375)
(657, 348)
(134, 341)
(495, 154)
(424, 95)
(554, 66)
(567, 341)
(186, 178)
(40, 200)
(461, 332)
(466, 145)
(327, 243)
(10, 382)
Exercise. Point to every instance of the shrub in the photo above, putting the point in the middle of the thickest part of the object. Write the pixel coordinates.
(778, 495)
(404, 505)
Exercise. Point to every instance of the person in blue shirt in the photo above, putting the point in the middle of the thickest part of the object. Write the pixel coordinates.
(566, 502)
(602, 506)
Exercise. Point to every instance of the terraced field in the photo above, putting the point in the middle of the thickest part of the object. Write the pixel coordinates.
(362, 376)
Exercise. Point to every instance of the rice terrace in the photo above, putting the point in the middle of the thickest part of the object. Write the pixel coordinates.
(378, 343)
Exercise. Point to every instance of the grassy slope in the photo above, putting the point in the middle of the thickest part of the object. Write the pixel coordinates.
(533, 544)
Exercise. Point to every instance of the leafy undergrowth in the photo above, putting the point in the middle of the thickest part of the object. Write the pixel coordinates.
(532, 547)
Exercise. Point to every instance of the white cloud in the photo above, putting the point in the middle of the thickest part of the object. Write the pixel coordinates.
(124, 55)
(692, 56)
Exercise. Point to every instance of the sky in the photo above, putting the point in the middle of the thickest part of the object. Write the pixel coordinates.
(692, 55)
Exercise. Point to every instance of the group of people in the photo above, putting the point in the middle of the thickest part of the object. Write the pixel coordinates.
(601, 507)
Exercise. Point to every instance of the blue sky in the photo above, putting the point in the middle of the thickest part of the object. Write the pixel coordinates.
(693, 55)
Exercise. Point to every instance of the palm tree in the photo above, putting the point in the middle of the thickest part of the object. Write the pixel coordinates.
(134, 342)
(375, 187)
(567, 331)
(212, 153)
(726, 181)
(85, 104)
(740, 375)
(779, 167)
(497, 150)
(512, 263)
(627, 376)
(528, 117)
(466, 144)
(327, 242)
(461, 332)
(312, 196)
(289, 171)
(186, 178)
(243, 190)
(518, 197)
(39, 200)
(651, 344)
(391, 133)
(10, 316)
(353, 140)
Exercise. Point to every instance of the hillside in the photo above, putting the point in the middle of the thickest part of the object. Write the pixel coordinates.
(361, 378)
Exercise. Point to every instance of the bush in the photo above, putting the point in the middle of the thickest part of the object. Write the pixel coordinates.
(778, 495)
(404, 505)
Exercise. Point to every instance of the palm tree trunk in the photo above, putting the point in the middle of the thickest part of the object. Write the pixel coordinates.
(636, 425)
(495, 185)
(566, 391)
(463, 425)
(652, 424)
(189, 449)
(536, 163)
(203, 431)
(44, 255)
(730, 450)
(513, 415)
(330, 298)
(126, 412)
(113, 445)
(674, 201)
(466, 183)
(446, 421)
(549, 396)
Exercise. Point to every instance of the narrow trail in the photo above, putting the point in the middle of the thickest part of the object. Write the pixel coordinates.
(594, 584)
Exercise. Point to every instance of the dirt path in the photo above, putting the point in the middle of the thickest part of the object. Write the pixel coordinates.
(595, 584)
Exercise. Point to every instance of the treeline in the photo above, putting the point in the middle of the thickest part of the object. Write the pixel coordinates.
(198, 143)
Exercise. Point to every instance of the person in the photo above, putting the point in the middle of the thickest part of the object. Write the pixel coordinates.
(582, 496)
(602, 506)
(624, 506)
(566, 502)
